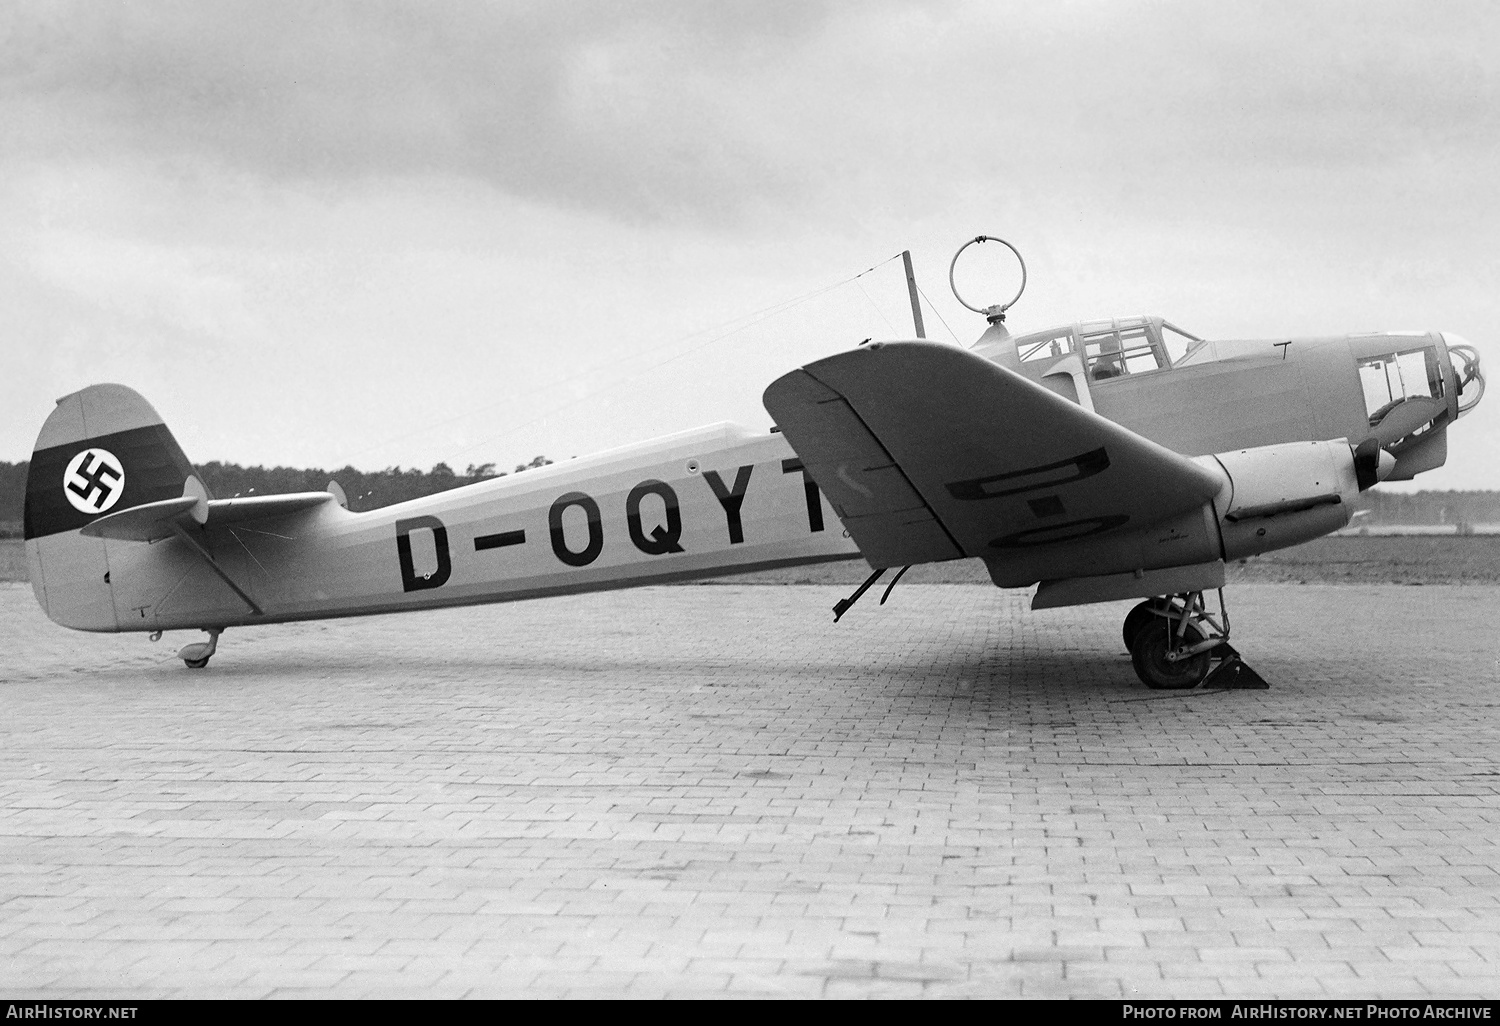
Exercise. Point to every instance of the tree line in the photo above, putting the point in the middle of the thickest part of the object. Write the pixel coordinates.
(366, 489)
(372, 489)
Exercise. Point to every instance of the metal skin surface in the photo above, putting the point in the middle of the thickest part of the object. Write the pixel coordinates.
(1274, 422)
(463, 546)
(1257, 392)
(926, 452)
(1038, 487)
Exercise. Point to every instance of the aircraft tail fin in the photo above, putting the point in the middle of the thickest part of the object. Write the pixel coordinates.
(102, 450)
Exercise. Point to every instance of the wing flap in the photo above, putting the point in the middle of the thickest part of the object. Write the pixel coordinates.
(997, 461)
(858, 475)
(862, 479)
(900, 538)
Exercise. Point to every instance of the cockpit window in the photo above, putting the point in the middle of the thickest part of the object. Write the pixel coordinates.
(1048, 348)
(1178, 342)
(1396, 377)
(1114, 353)
(1114, 348)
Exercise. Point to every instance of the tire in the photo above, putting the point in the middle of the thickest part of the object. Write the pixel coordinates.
(1135, 620)
(1149, 657)
(196, 664)
(1143, 614)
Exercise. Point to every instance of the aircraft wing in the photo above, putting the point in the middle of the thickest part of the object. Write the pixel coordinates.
(929, 452)
(155, 520)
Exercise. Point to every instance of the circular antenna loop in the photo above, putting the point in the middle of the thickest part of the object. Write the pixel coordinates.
(992, 312)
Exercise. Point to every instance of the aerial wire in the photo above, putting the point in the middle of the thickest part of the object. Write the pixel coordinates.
(878, 311)
(933, 307)
(751, 319)
(764, 314)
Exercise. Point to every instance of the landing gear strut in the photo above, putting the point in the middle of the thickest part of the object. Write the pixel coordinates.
(196, 655)
(1175, 641)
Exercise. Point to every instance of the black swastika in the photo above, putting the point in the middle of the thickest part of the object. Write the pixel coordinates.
(99, 477)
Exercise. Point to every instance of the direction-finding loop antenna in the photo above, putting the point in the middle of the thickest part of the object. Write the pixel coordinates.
(993, 313)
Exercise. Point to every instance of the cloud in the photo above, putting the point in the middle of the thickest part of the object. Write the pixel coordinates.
(718, 113)
(201, 195)
(604, 105)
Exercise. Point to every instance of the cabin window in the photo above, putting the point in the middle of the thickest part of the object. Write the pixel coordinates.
(1396, 377)
(1113, 354)
(1048, 348)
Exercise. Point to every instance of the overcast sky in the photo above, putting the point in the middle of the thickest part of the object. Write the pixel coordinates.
(398, 233)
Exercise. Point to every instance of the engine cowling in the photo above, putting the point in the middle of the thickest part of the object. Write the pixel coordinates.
(1275, 496)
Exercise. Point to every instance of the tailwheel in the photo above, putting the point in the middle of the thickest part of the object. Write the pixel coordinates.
(1154, 646)
(196, 655)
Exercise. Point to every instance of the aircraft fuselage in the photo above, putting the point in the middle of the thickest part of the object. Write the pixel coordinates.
(713, 501)
(702, 503)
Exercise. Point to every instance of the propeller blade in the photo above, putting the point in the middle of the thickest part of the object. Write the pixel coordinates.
(1372, 464)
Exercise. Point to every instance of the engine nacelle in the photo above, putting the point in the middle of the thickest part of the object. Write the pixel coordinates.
(1275, 496)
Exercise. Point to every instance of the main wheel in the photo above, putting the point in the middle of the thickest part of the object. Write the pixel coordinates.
(1149, 657)
(1149, 610)
(196, 664)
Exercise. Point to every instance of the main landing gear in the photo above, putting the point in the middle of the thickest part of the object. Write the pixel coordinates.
(1174, 643)
(196, 655)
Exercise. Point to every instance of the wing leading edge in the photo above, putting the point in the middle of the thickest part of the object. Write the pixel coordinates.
(929, 452)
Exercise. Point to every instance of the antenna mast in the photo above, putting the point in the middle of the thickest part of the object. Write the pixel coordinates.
(911, 288)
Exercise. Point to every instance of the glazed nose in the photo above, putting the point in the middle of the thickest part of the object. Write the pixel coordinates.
(1465, 361)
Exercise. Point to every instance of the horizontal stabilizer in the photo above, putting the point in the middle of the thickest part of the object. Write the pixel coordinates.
(155, 520)
(141, 523)
(222, 512)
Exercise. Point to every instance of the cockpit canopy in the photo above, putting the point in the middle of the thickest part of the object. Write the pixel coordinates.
(1113, 348)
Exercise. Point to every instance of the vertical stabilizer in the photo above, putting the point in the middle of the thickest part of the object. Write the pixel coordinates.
(102, 450)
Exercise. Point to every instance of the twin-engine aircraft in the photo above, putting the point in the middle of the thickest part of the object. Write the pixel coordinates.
(1099, 461)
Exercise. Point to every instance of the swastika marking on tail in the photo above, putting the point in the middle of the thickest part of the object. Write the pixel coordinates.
(93, 481)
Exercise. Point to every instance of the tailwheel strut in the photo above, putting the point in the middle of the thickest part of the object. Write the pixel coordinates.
(1176, 643)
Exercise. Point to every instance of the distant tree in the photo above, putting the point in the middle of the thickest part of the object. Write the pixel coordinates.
(12, 497)
(372, 489)
(366, 490)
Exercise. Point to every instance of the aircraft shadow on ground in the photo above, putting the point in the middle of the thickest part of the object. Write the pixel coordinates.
(969, 667)
(998, 663)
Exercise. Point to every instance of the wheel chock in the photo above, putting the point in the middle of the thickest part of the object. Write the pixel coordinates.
(1232, 673)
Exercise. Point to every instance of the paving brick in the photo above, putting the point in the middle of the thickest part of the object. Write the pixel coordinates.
(714, 791)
